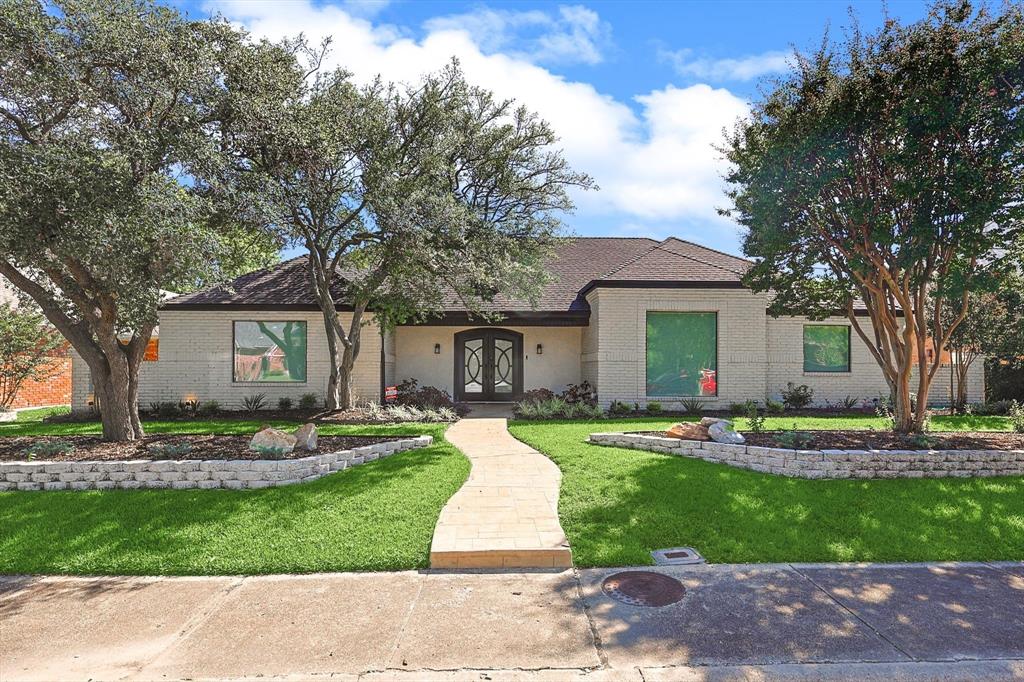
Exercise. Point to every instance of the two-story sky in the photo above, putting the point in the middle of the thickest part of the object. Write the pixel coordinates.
(638, 91)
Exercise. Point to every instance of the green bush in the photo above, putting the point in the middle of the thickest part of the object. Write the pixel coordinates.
(47, 448)
(308, 401)
(270, 451)
(556, 408)
(619, 408)
(754, 418)
(654, 407)
(794, 439)
(284, 403)
(1016, 414)
(774, 406)
(797, 397)
(209, 408)
(742, 408)
(692, 406)
(170, 450)
(254, 402)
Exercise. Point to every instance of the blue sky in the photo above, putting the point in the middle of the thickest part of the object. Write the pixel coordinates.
(638, 91)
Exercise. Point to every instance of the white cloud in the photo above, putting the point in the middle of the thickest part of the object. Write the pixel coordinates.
(575, 34)
(655, 166)
(744, 69)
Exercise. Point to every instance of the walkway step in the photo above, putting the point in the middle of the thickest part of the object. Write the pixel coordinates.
(506, 514)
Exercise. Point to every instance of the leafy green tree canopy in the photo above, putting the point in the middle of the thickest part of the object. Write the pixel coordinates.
(888, 171)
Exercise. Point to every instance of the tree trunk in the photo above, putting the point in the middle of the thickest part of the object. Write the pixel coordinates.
(902, 405)
(116, 394)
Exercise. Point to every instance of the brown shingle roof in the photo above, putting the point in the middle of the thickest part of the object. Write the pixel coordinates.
(576, 267)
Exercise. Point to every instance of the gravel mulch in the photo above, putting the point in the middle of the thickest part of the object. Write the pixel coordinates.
(883, 440)
(201, 447)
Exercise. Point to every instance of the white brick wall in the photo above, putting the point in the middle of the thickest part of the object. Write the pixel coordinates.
(196, 358)
(757, 354)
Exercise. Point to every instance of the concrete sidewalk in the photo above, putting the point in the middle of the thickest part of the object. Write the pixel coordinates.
(780, 621)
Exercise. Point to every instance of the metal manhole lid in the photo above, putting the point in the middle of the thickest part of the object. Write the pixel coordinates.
(643, 588)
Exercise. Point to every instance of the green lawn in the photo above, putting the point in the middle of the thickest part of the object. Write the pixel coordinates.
(618, 504)
(375, 517)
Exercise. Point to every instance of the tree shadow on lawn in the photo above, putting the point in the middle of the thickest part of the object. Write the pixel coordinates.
(618, 504)
(377, 516)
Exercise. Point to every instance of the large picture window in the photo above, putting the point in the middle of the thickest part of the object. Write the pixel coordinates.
(270, 351)
(682, 354)
(826, 348)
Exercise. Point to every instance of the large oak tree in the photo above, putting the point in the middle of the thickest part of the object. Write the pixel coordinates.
(407, 197)
(106, 114)
(889, 171)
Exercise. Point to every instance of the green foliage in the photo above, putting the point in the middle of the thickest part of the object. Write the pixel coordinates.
(743, 408)
(864, 174)
(170, 450)
(774, 406)
(47, 448)
(582, 393)
(284, 403)
(794, 439)
(1016, 415)
(755, 420)
(618, 408)
(209, 408)
(111, 120)
(308, 401)
(797, 397)
(166, 409)
(270, 451)
(654, 407)
(556, 408)
(428, 397)
(693, 406)
(410, 413)
(255, 402)
(25, 341)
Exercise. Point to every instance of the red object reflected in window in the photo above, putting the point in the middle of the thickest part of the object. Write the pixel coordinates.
(707, 382)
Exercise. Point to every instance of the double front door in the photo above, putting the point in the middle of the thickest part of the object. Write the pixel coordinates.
(488, 365)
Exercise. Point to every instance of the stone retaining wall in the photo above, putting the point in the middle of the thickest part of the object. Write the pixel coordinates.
(832, 463)
(193, 473)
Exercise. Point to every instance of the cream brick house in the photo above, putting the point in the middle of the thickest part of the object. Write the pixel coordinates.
(639, 319)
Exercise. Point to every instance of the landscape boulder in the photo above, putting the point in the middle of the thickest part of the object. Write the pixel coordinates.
(305, 437)
(709, 421)
(688, 431)
(721, 432)
(273, 438)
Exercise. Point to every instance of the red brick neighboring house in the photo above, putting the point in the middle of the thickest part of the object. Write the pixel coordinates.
(53, 391)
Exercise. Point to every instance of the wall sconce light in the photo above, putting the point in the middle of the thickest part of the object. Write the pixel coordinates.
(540, 349)
(191, 398)
(437, 349)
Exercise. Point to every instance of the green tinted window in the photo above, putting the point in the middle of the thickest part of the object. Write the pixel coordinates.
(682, 354)
(826, 348)
(270, 351)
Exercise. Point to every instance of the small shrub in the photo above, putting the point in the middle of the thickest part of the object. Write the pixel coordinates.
(743, 408)
(209, 408)
(47, 448)
(254, 402)
(168, 409)
(797, 397)
(1016, 414)
(754, 418)
(538, 395)
(617, 408)
(997, 407)
(794, 439)
(849, 402)
(308, 401)
(556, 408)
(692, 405)
(284, 403)
(582, 393)
(774, 406)
(270, 451)
(411, 393)
(654, 407)
(170, 450)
(922, 441)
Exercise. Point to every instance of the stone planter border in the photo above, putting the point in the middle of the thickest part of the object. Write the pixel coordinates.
(193, 473)
(831, 464)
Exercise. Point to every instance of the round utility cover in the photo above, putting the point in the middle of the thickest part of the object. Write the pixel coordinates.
(643, 588)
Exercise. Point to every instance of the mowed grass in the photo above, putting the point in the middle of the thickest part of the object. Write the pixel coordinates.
(619, 504)
(376, 517)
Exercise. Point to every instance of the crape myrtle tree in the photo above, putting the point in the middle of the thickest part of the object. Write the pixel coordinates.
(106, 110)
(888, 171)
(406, 197)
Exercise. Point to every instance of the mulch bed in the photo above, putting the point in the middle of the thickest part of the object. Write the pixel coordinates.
(202, 447)
(884, 440)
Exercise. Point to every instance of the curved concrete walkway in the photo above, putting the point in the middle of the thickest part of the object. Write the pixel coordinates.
(506, 514)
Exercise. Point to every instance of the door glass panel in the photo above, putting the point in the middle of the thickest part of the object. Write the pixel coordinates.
(472, 376)
(502, 366)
